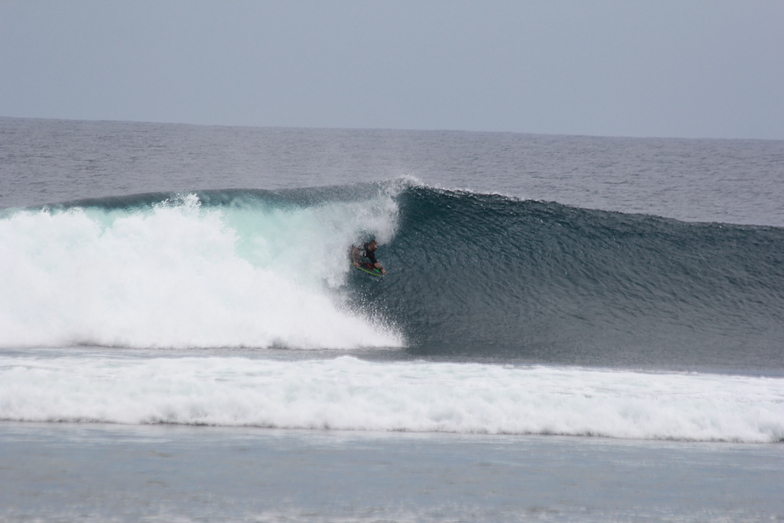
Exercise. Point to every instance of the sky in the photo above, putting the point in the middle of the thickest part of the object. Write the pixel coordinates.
(644, 68)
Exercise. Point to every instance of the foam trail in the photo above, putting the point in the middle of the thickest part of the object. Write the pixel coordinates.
(349, 394)
(178, 274)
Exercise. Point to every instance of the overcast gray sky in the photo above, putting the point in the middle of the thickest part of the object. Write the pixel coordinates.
(682, 68)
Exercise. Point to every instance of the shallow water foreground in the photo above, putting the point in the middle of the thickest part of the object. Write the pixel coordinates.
(64, 472)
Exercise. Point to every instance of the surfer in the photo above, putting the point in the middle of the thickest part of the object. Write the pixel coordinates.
(366, 252)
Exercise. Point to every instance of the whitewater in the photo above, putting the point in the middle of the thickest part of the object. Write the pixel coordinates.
(346, 393)
(173, 274)
(182, 334)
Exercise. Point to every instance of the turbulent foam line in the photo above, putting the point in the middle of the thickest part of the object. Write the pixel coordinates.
(350, 394)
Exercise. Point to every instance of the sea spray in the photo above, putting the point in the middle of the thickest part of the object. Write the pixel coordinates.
(177, 273)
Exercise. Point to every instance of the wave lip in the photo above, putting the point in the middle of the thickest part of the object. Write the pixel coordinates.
(349, 394)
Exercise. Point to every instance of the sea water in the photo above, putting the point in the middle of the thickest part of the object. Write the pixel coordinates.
(570, 327)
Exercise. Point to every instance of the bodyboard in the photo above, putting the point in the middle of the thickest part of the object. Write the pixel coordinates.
(366, 267)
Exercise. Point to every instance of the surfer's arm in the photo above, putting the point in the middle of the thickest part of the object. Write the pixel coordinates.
(370, 255)
(355, 256)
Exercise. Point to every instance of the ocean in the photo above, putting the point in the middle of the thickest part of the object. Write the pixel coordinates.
(570, 328)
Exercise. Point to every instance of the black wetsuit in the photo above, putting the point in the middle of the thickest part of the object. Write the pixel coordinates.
(370, 255)
(364, 253)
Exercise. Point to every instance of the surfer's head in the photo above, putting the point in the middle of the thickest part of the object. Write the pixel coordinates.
(372, 245)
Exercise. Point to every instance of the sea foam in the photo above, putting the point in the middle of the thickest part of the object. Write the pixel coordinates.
(179, 274)
(346, 393)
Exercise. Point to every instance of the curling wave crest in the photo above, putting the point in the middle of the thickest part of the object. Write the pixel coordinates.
(212, 270)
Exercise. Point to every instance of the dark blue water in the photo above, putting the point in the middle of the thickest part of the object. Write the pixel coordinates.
(484, 275)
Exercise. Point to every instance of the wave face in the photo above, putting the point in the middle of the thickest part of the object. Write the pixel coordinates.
(471, 276)
(486, 275)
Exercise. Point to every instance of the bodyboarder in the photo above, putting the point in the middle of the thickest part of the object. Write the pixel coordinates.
(365, 255)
